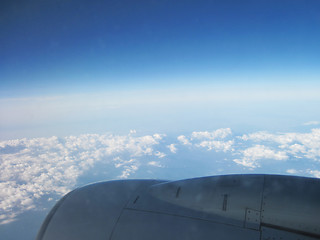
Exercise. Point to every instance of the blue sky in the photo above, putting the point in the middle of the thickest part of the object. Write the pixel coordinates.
(66, 46)
(73, 66)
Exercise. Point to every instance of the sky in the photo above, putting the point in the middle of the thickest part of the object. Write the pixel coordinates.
(65, 46)
(100, 90)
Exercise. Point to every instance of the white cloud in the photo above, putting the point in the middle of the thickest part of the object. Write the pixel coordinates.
(250, 156)
(129, 167)
(183, 140)
(158, 136)
(263, 152)
(128, 170)
(305, 145)
(314, 173)
(219, 133)
(292, 171)
(172, 148)
(214, 140)
(296, 148)
(119, 162)
(311, 123)
(34, 168)
(37, 167)
(282, 139)
(155, 164)
(159, 154)
(217, 145)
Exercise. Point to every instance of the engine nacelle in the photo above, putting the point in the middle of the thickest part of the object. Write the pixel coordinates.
(219, 207)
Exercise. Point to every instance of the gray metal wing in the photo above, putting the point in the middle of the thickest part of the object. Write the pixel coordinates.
(219, 207)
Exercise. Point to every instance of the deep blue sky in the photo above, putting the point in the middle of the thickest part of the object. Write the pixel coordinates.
(66, 46)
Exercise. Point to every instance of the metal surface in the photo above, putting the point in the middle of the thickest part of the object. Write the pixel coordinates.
(252, 219)
(218, 199)
(276, 234)
(90, 212)
(292, 203)
(232, 207)
(155, 226)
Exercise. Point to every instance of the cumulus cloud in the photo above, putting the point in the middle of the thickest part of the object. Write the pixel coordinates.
(182, 139)
(217, 145)
(33, 168)
(38, 168)
(250, 156)
(128, 170)
(219, 133)
(119, 162)
(314, 173)
(305, 172)
(172, 148)
(128, 166)
(300, 145)
(215, 140)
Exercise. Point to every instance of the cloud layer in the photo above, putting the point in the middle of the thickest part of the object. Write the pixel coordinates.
(38, 168)
(32, 168)
(297, 145)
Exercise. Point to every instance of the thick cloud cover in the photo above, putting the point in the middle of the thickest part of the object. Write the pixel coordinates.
(34, 169)
(297, 145)
(250, 150)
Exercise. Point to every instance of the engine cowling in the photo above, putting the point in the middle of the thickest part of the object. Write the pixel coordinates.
(219, 207)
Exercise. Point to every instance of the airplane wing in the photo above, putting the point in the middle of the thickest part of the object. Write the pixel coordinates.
(230, 207)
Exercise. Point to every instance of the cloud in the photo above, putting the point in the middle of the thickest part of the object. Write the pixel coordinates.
(39, 168)
(129, 167)
(182, 139)
(250, 156)
(314, 173)
(306, 145)
(304, 172)
(220, 133)
(311, 123)
(214, 140)
(172, 148)
(292, 171)
(159, 154)
(155, 164)
(217, 145)
(119, 162)
(33, 168)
